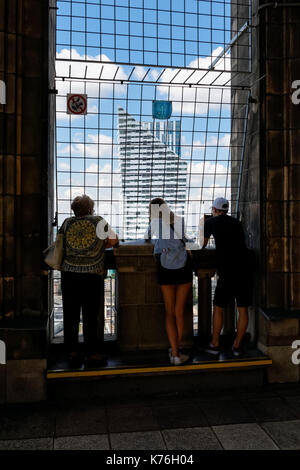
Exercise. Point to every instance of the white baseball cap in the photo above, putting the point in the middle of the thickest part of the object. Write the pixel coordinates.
(221, 204)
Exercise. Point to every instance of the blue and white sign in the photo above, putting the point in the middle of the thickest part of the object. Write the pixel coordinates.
(161, 109)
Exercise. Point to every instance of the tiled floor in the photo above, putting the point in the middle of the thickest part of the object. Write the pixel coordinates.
(268, 418)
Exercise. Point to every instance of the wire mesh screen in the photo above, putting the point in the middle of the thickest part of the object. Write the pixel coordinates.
(126, 56)
(122, 157)
(161, 33)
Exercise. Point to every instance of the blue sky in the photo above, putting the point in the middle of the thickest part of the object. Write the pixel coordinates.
(196, 32)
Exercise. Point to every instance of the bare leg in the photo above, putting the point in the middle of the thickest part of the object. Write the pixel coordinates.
(169, 295)
(217, 324)
(242, 325)
(182, 293)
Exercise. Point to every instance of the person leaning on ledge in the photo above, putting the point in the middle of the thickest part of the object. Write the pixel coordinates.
(174, 271)
(233, 269)
(82, 272)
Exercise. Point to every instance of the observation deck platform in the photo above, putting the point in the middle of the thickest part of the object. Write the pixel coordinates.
(145, 373)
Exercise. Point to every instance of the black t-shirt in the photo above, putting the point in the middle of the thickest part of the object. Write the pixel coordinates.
(229, 238)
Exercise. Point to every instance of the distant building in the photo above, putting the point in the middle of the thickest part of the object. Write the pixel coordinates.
(150, 167)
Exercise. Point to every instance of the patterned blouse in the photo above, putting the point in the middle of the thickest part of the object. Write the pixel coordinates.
(83, 250)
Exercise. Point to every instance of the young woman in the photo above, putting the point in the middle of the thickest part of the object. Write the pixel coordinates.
(174, 271)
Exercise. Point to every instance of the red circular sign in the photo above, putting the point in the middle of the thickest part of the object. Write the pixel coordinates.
(77, 104)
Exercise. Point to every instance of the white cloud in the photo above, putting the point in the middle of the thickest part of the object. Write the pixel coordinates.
(63, 166)
(198, 100)
(214, 140)
(186, 101)
(99, 145)
(139, 72)
(74, 67)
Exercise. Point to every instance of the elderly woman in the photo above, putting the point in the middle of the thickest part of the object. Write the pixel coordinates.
(82, 273)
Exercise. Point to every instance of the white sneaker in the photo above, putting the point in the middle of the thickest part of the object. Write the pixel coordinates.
(170, 352)
(177, 360)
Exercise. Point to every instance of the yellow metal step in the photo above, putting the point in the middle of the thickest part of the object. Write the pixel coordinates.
(132, 370)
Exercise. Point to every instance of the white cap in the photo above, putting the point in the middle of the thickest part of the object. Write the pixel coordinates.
(221, 204)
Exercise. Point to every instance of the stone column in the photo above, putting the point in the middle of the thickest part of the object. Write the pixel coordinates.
(280, 180)
(269, 192)
(25, 169)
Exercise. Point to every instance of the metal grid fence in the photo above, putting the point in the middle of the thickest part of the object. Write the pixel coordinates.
(125, 55)
(159, 33)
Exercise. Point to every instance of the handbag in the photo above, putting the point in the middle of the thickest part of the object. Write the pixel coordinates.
(54, 253)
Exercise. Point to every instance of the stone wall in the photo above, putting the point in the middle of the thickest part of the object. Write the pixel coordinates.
(23, 157)
(280, 182)
(25, 177)
(269, 198)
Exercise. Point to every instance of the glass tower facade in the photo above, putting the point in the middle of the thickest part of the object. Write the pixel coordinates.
(150, 167)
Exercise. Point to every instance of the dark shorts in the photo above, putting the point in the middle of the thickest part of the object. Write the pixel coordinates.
(174, 276)
(236, 285)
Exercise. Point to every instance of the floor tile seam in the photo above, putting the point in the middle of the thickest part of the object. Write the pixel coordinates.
(263, 430)
(28, 439)
(281, 421)
(160, 431)
(273, 439)
(81, 434)
(216, 436)
(274, 420)
(163, 438)
(207, 427)
(50, 436)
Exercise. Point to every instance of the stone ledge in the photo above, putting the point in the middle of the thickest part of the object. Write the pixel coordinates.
(25, 338)
(277, 314)
(24, 323)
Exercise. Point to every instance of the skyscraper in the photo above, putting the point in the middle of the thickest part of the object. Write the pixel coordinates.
(150, 167)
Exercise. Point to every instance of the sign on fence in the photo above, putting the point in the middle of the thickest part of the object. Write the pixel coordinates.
(161, 109)
(76, 104)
